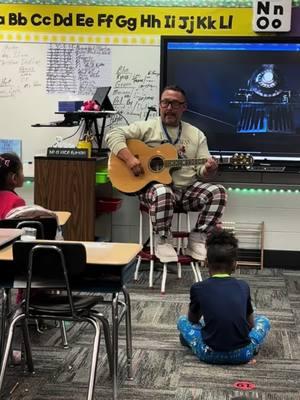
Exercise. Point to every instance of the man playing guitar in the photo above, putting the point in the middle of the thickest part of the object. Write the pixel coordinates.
(189, 188)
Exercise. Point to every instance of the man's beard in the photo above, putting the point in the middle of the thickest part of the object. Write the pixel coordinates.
(174, 120)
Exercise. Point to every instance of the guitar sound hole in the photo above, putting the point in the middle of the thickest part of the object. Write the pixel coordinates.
(156, 164)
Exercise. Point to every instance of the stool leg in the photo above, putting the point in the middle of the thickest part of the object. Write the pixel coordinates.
(151, 252)
(151, 273)
(141, 228)
(194, 271)
(164, 278)
(198, 271)
(179, 243)
(136, 272)
(179, 270)
(188, 227)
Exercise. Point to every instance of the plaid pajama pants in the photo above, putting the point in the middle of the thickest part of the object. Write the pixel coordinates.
(207, 198)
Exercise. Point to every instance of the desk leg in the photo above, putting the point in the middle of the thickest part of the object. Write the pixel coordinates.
(128, 333)
(115, 326)
(5, 305)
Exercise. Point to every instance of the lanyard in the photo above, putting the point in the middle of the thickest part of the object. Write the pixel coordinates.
(221, 276)
(168, 137)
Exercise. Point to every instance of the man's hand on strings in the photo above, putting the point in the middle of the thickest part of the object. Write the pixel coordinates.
(135, 165)
(132, 162)
(210, 167)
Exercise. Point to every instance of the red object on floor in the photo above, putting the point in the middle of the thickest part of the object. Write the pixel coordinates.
(244, 385)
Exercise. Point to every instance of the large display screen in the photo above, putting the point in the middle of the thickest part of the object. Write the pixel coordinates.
(243, 93)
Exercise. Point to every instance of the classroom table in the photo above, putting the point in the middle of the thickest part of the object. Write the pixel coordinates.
(7, 235)
(109, 267)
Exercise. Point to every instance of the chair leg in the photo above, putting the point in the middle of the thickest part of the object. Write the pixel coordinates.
(115, 328)
(164, 278)
(96, 323)
(63, 334)
(5, 296)
(27, 345)
(8, 346)
(128, 333)
(107, 339)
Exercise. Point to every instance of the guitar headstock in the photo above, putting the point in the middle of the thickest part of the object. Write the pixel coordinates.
(241, 160)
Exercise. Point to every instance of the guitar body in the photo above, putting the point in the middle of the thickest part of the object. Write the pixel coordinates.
(151, 159)
(156, 162)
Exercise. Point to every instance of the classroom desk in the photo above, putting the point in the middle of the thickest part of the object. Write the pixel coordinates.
(8, 235)
(97, 253)
(109, 267)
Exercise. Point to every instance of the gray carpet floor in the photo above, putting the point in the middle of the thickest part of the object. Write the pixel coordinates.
(163, 369)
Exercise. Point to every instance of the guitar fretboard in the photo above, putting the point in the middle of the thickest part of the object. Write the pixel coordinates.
(181, 162)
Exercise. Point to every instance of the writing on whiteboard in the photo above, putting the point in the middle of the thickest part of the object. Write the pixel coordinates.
(77, 68)
(133, 93)
(18, 70)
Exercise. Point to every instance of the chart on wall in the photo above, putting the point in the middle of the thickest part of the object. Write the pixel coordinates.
(34, 77)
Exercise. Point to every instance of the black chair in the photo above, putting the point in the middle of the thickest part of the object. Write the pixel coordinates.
(61, 266)
(46, 226)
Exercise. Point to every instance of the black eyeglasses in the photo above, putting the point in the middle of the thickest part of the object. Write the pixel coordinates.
(175, 104)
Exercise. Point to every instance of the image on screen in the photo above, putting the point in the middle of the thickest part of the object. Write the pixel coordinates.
(244, 95)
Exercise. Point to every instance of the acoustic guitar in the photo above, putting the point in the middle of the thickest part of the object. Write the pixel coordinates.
(157, 162)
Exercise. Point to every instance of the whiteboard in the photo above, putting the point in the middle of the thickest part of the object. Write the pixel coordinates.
(35, 76)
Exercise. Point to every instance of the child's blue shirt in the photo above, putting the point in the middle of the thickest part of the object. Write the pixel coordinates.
(225, 304)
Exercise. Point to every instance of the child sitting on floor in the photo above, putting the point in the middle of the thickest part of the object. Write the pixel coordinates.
(220, 327)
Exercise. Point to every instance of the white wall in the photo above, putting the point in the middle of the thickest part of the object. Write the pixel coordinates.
(279, 211)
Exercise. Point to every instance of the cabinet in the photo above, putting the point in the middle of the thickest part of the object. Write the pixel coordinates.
(68, 185)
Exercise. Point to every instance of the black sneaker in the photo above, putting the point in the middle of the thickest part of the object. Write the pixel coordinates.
(182, 340)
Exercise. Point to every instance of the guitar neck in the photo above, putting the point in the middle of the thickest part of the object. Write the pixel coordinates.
(182, 162)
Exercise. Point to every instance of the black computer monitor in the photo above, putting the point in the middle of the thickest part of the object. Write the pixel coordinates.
(101, 97)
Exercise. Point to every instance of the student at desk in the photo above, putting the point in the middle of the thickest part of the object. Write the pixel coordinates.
(11, 204)
(11, 177)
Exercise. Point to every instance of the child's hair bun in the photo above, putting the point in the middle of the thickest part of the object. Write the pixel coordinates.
(221, 237)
